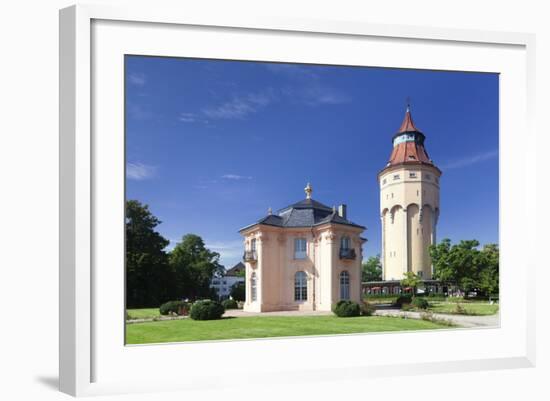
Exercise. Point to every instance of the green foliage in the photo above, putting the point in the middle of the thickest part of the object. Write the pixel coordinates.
(420, 303)
(465, 265)
(367, 309)
(194, 266)
(411, 280)
(238, 291)
(177, 307)
(403, 299)
(460, 310)
(346, 308)
(372, 269)
(230, 304)
(206, 310)
(148, 276)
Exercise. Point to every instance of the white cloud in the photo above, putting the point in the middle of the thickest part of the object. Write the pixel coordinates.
(236, 177)
(137, 79)
(187, 117)
(469, 160)
(139, 171)
(230, 251)
(308, 87)
(240, 106)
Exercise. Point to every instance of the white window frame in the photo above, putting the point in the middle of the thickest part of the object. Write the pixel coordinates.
(92, 364)
(344, 279)
(300, 248)
(300, 286)
(253, 287)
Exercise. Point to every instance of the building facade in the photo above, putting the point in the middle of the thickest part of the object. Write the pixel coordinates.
(305, 257)
(409, 205)
(223, 284)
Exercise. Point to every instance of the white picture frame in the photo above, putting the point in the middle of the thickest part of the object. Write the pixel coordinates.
(91, 362)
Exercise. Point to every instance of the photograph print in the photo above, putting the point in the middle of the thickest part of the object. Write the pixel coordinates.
(270, 200)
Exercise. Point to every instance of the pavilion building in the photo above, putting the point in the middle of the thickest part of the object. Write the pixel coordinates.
(305, 257)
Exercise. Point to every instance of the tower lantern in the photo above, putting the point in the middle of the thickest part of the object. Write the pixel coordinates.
(409, 204)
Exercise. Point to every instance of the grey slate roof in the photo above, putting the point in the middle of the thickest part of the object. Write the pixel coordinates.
(306, 213)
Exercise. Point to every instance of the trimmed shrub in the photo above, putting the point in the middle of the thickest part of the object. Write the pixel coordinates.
(367, 309)
(174, 307)
(403, 299)
(346, 308)
(206, 310)
(420, 303)
(230, 304)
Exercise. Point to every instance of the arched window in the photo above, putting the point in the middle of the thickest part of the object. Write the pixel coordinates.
(344, 285)
(253, 287)
(300, 286)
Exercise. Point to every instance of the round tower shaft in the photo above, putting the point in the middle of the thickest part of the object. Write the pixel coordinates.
(409, 205)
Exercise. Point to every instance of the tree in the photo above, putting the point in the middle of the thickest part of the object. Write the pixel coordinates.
(488, 281)
(372, 269)
(238, 291)
(466, 266)
(411, 280)
(148, 276)
(194, 266)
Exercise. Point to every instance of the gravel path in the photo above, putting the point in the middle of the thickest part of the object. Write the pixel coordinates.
(459, 320)
(241, 313)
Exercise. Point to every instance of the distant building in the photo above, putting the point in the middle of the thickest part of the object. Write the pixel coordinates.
(225, 282)
(307, 257)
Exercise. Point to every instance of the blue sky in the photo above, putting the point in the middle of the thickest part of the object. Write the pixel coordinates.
(211, 145)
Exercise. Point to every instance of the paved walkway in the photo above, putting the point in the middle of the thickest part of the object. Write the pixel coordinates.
(241, 313)
(459, 320)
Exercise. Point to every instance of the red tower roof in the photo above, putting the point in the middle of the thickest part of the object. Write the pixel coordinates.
(408, 124)
(408, 145)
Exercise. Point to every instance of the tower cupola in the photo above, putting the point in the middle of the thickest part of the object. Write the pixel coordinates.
(408, 144)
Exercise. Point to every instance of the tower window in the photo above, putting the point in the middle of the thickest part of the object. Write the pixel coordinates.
(428, 177)
(396, 177)
(384, 181)
(412, 174)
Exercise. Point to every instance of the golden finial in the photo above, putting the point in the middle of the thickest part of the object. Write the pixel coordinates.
(308, 190)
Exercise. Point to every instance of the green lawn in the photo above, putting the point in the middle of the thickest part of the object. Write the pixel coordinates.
(143, 313)
(472, 308)
(259, 326)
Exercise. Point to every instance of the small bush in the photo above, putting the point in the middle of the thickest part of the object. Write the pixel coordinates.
(206, 310)
(346, 308)
(420, 303)
(174, 307)
(407, 307)
(230, 304)
(367, 309)
(403, 300)
(459, 309)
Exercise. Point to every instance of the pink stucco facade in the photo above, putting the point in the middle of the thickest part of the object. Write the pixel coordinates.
(302, 268)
